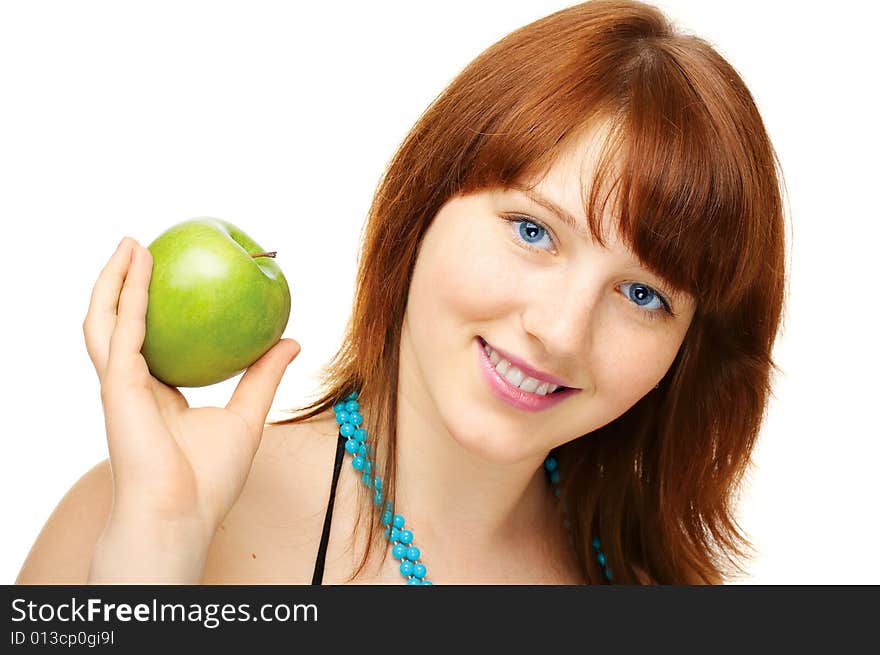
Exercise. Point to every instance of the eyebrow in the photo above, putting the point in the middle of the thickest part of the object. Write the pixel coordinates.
(561, 213)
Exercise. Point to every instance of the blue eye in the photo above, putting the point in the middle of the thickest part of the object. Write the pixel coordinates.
(646, 298)
(529, 232)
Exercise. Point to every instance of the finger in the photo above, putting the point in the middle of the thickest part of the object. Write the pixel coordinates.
(128, 334)
(253, 395)
(101, 315)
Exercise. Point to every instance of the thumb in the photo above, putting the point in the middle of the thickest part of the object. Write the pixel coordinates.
(253, 395)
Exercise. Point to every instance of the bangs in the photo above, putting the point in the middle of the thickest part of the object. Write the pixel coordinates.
(672, 175)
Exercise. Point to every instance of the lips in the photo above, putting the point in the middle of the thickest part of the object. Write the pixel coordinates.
(512, 396)
(525, 368)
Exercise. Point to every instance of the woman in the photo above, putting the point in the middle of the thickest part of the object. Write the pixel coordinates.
(592, 203)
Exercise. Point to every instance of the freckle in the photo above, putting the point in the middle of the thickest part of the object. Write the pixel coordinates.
(222, 527)
(254, 555)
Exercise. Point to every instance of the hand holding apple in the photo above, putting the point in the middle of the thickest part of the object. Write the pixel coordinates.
(217, 302)
(177, 470)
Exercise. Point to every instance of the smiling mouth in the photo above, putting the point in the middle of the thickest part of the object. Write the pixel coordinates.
(556, 390)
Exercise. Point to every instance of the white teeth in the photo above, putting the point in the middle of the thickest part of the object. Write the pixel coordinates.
(529, 384)
(516, 377)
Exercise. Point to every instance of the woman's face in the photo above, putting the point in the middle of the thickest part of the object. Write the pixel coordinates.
(498, 266)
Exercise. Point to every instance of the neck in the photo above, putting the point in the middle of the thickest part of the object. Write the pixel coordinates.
(456, 490)
(464, 507)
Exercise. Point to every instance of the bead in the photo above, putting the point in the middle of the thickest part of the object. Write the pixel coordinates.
(550, 463)
(386, 518)
(595, 543)
(369, 449)
(395, 534)
(413, 553)
(608, 574)
(362, 449)
(427, 582)
(352, 395)
(377, 498)
(554, 477)
(406, 567)
(358, 463)
(346, 430)
(388, 533)
(419, 570)
(360, 434)
(368, 467)
(352, 406)
(378, 483)
(355, 418)
(413, 581)
(341, 417)
(399, 551)
(338, 407)
(367, 479)
(601, 558)
(351, 446)
(398, 521)
(406, 536)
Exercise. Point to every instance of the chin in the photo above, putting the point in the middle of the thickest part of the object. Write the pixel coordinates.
(487, 437)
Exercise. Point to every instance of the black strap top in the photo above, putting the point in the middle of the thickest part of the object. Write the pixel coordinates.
(318, 574)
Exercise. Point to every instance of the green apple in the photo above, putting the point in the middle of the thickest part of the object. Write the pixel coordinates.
(217, 302)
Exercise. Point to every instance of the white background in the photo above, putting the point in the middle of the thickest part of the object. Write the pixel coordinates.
(124, 118)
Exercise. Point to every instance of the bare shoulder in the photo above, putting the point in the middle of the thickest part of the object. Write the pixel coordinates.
(299, 453)
(62, 552)
(278, 513)
(300, 437)
(291, 467)
(272, 531)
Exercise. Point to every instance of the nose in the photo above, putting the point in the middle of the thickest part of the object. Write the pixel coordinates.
(562, 315)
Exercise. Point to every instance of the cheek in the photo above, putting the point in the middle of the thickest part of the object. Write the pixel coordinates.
(462, 280)
(628, 365)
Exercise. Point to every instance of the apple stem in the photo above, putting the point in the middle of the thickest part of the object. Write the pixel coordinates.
(265, 254)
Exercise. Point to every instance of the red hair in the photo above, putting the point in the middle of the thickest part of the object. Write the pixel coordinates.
(690, 176)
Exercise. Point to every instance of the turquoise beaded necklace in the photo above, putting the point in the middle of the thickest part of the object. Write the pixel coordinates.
(349, 419)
